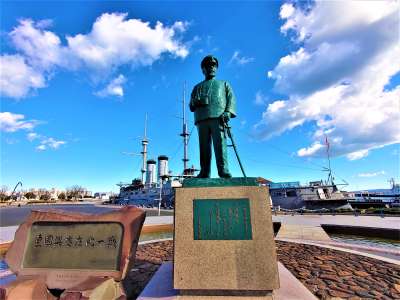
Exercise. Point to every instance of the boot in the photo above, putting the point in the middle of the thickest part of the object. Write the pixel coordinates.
(225, 175)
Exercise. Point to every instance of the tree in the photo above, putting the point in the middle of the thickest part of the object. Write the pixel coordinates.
(62, 196)
(45, 196)
(30, 195)
(3, 193)
(75, 192)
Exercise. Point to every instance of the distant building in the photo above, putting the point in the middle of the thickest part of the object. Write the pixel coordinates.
(103, 195)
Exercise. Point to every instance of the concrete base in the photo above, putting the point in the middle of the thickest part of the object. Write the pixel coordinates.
(301, 232)
(160, 287)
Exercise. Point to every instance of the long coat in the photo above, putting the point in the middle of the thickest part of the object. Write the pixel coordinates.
(219, 96)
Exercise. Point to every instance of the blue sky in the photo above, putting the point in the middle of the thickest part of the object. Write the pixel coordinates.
(78, 77)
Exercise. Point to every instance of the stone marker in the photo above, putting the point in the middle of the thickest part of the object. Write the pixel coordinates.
(224, 239)
(75, 251)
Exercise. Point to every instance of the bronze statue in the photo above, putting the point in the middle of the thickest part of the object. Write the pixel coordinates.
(213, 104)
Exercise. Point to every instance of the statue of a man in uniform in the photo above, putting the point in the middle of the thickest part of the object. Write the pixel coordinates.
(213, 104)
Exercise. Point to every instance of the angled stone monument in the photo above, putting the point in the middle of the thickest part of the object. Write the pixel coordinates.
(223, 237)
(75, 252)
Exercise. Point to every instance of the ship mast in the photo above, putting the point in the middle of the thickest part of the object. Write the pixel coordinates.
(144, 151)
(184, 133)
(330, 177)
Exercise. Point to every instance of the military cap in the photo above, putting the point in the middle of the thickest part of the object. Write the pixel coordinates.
(207, 59)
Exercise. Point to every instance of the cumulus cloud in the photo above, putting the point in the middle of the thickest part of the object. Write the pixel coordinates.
(114, 41)
(10, 122)
(260, 98)
(240, 60)
(114, 88)
(17, 78)
(371, 174)
(41, 48)
(337, 78)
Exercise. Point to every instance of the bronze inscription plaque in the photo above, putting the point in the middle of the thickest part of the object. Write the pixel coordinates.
(74, 245)
(221, 219)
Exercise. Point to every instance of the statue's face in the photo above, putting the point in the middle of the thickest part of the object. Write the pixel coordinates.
(210, 70)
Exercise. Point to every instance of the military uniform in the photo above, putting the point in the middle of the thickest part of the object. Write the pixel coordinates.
(210, 99)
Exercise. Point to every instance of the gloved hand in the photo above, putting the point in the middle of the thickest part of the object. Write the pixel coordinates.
(226, 116)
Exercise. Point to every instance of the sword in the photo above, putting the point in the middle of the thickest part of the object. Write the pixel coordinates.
(227, 129)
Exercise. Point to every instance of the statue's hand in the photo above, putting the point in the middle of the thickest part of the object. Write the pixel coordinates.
(226, 116)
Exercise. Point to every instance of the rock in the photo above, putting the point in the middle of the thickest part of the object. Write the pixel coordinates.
(339, 294)
(365, 294)
(330, 277)
(328, 268)
(361, 273)
(356, 288)
(344, 290)
(377, 294)
(322, 294)
(344, 273)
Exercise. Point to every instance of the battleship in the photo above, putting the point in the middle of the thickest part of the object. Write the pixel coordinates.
(156, 186)
(378, 197)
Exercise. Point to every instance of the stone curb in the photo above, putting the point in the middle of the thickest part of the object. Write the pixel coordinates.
(155, 241)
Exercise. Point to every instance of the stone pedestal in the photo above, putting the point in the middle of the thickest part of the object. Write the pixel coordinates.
(223, 239)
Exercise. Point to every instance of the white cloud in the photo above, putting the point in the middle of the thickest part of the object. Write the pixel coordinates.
(310, 150)
(237, 59)
(17, 78)
(41, 147)
(41, 48)
(371, 174)
(32, 136)
(337, 79)
(287, 10)
(52, 143)
(357, 154)
(114, 88)
(10, 122)
(114, 41)
(260, 98)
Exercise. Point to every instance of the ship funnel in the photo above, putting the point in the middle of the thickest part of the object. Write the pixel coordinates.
(151, 172)
(162, 168)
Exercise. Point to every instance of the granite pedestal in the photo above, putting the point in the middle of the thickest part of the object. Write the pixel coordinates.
(223, 239)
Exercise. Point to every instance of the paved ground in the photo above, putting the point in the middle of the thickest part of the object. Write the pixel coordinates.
(314, 220)
(7, 233)
(313, 233)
